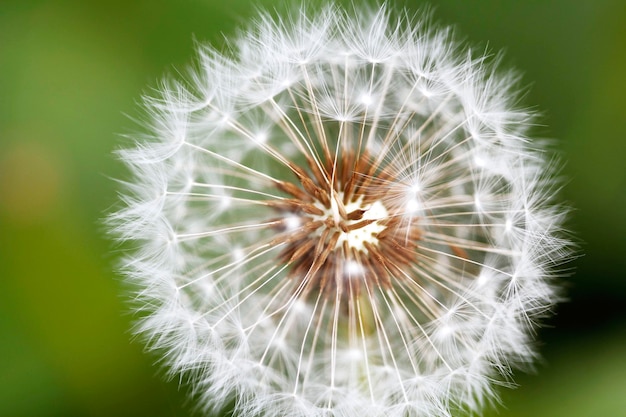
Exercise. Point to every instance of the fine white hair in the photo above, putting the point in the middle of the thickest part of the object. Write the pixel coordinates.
(341, 216)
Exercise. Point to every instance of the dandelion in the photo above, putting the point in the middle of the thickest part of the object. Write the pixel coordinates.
(343, 216)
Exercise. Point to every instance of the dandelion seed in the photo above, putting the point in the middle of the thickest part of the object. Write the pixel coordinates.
(342, 217)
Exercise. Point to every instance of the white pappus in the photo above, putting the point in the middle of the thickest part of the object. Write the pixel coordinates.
(341, 216)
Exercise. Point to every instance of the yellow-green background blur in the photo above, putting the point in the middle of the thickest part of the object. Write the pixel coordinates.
(71, 74)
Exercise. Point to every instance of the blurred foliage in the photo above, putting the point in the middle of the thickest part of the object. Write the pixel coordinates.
(71, 72)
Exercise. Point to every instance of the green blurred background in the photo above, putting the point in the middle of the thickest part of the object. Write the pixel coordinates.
(71, 72)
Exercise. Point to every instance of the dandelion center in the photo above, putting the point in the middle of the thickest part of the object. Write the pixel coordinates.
(341, 229)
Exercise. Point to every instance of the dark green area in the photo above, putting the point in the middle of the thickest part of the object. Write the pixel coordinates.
(71, 72)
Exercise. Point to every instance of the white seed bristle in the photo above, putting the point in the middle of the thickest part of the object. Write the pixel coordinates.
(341, 217)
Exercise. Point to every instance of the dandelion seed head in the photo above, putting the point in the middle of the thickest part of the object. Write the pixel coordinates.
(341, 216)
